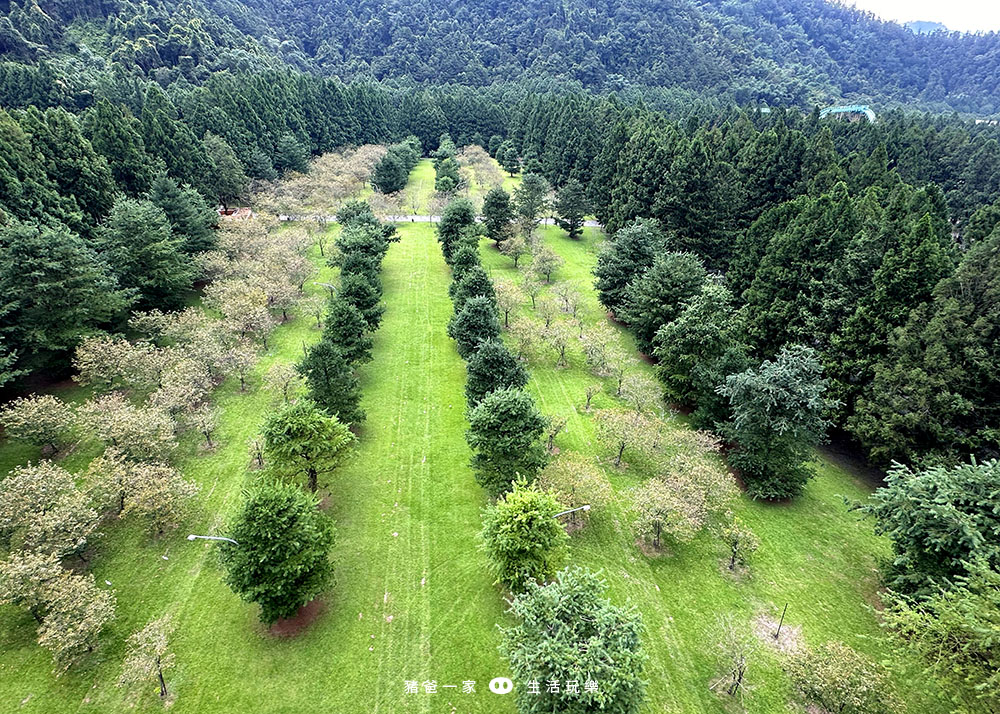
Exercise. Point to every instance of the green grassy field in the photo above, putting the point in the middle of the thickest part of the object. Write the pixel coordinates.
(412, 599)
(419, 193)
(419, 190)
(815, 555)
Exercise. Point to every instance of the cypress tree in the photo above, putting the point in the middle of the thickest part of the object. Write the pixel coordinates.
(332, 383)
(492, 367)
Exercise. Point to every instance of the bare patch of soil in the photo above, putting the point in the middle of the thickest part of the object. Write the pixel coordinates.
(738, 573)
(651, 551)
(789, 641)
(292, 626)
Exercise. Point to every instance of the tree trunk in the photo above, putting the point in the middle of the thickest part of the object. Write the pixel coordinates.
(737, 680)
(313, 480)
(163, 684)
(732, 561)
(621, 450)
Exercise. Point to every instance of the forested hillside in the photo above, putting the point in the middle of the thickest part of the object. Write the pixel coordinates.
(789, 52)
(156, 150)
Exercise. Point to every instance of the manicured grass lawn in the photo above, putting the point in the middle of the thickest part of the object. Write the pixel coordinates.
(420, 189)
(412, 599)
(816, 555)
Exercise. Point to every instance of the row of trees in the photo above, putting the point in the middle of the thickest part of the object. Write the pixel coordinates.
(145, 394)
(772, 413)
(281, 557)
(524, 541)
(333, 179)
(212, 136)
(809, 222)
(687, 494)
(392, 172)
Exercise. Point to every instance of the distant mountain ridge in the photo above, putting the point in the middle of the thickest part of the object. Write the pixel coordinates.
(778, 52)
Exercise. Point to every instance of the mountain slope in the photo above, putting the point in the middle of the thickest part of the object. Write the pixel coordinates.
(778, 51)
(795, 52)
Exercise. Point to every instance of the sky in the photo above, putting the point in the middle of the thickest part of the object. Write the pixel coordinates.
(965, 15)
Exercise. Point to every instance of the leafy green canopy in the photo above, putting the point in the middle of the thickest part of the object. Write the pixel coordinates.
(474, 324)
(505, 435)
(332, 382)
(281, 559)
(302, 439)
(568, 631)
(778, 416)
(523, 540)
(940, 520)
(492, 367)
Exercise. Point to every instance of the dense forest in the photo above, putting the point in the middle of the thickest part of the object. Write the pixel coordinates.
(787, 52)
(749, 193)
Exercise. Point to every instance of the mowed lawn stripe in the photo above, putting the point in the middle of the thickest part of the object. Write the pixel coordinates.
(430, 578)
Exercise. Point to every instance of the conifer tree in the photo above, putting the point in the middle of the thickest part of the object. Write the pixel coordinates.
(188, 214)
(498, 213)
(116, 135)
(332, 383)
(347, 328)
(571, 206)
(147, 257)
(492, 367)
(358, 291)
(476, 323)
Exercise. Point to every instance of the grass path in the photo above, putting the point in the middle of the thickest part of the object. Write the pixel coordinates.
(412, 599)
(419, 189)
(815, 554)
(419, 195)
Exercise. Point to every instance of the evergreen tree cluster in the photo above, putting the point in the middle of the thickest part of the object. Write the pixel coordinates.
(354, 313)
(446, 177)
(733, 242)
(788, 52)
(392, 172)
(505, 427)
(88, 229)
